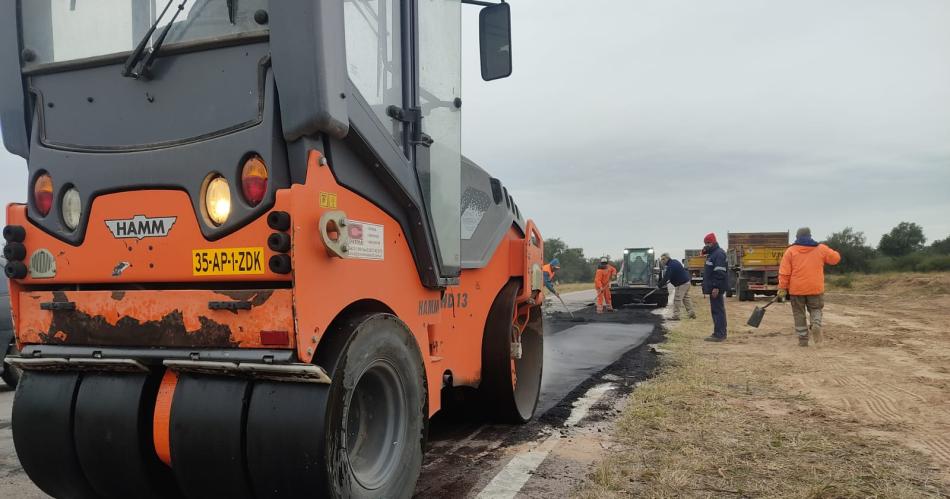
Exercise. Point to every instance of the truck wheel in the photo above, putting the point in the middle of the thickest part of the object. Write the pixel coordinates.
(11, 374)
(511, 387)
(377, 412)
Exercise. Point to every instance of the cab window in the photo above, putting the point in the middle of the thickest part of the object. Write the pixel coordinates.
(374, 63)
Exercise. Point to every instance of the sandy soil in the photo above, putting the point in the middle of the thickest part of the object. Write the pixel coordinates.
(884, 367)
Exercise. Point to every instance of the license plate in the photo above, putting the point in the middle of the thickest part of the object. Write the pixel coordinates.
(227, 261)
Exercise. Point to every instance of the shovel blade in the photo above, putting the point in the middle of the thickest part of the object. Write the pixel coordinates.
(756, 318)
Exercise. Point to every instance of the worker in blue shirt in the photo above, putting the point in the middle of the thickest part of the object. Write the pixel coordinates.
(674, 273)
(715, 284)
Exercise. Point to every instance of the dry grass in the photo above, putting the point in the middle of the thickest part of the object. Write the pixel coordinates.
(891, 283)
(714, 425)
(574, 286)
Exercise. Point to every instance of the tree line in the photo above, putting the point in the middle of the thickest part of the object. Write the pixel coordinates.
(575, 267)
(904, 248)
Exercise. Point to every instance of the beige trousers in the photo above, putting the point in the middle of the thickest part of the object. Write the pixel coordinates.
(813, 305)
(681, 299)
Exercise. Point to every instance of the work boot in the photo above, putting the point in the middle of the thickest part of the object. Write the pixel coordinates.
(803, 341)
(714, 338)
(816, 334)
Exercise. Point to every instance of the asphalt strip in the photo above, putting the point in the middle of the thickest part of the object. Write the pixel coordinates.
(510, 480)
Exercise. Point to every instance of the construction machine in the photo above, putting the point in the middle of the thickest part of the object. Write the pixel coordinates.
(694, 262)
(754, 259)
(253, 260)
(638, 279)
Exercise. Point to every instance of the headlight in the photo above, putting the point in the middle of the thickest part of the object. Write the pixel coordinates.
(43, 194)
(218, 200)
(72, 208)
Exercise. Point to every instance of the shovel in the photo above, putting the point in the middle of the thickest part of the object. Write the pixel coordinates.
(644, 299)
(573, 319)
(756, 318)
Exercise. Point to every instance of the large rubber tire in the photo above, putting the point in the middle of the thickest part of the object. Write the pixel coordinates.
(207, 436)
(43, 410)
(377, 411)
(113, 434)
(510, 388)
(285, 438)
(662, 301)
(12, 374)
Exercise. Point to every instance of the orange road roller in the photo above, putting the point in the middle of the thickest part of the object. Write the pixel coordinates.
(253, 260)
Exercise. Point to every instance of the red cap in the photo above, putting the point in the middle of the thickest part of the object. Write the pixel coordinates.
(710, 238)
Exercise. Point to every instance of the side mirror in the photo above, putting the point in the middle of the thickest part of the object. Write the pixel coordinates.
(494, 35)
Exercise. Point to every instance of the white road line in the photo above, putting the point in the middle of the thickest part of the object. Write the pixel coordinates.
(582, 405)
(509, 481)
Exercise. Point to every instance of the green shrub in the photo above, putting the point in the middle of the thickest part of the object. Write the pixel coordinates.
(908, 263)
(842, 281)
(881, 264)
(935, 263)
(855, 254)
(914, 262)
(941, 246)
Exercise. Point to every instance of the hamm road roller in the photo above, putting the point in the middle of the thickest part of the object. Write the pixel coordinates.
(253, 260)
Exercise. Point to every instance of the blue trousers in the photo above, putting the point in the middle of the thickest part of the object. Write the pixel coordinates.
(718, 308)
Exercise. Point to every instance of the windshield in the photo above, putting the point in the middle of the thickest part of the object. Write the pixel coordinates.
(65, 30)
(638, 266)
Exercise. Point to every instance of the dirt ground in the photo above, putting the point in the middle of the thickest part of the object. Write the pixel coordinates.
(885, 365)
(864, 414)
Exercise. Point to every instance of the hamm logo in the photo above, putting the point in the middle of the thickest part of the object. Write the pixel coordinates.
(141, 227)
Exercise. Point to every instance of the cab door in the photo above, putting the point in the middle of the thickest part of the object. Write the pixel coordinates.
(438, 96)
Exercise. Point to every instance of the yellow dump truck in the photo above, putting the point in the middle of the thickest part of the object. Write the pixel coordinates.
(754, 259)
(694, 262)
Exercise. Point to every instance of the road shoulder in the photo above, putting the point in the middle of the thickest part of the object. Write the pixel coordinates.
(742, 418)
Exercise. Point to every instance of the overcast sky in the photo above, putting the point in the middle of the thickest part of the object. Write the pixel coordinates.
(630, 123)
(653, 122)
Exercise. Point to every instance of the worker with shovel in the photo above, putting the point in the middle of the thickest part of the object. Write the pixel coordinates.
(602, 278)
(549, 270)
(801, 276)
(674, 273)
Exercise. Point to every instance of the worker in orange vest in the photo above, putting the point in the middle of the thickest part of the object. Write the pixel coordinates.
(548, 271)
(802, 277)
(602, 279)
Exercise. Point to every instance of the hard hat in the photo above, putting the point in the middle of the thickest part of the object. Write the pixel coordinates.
(603, 259)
